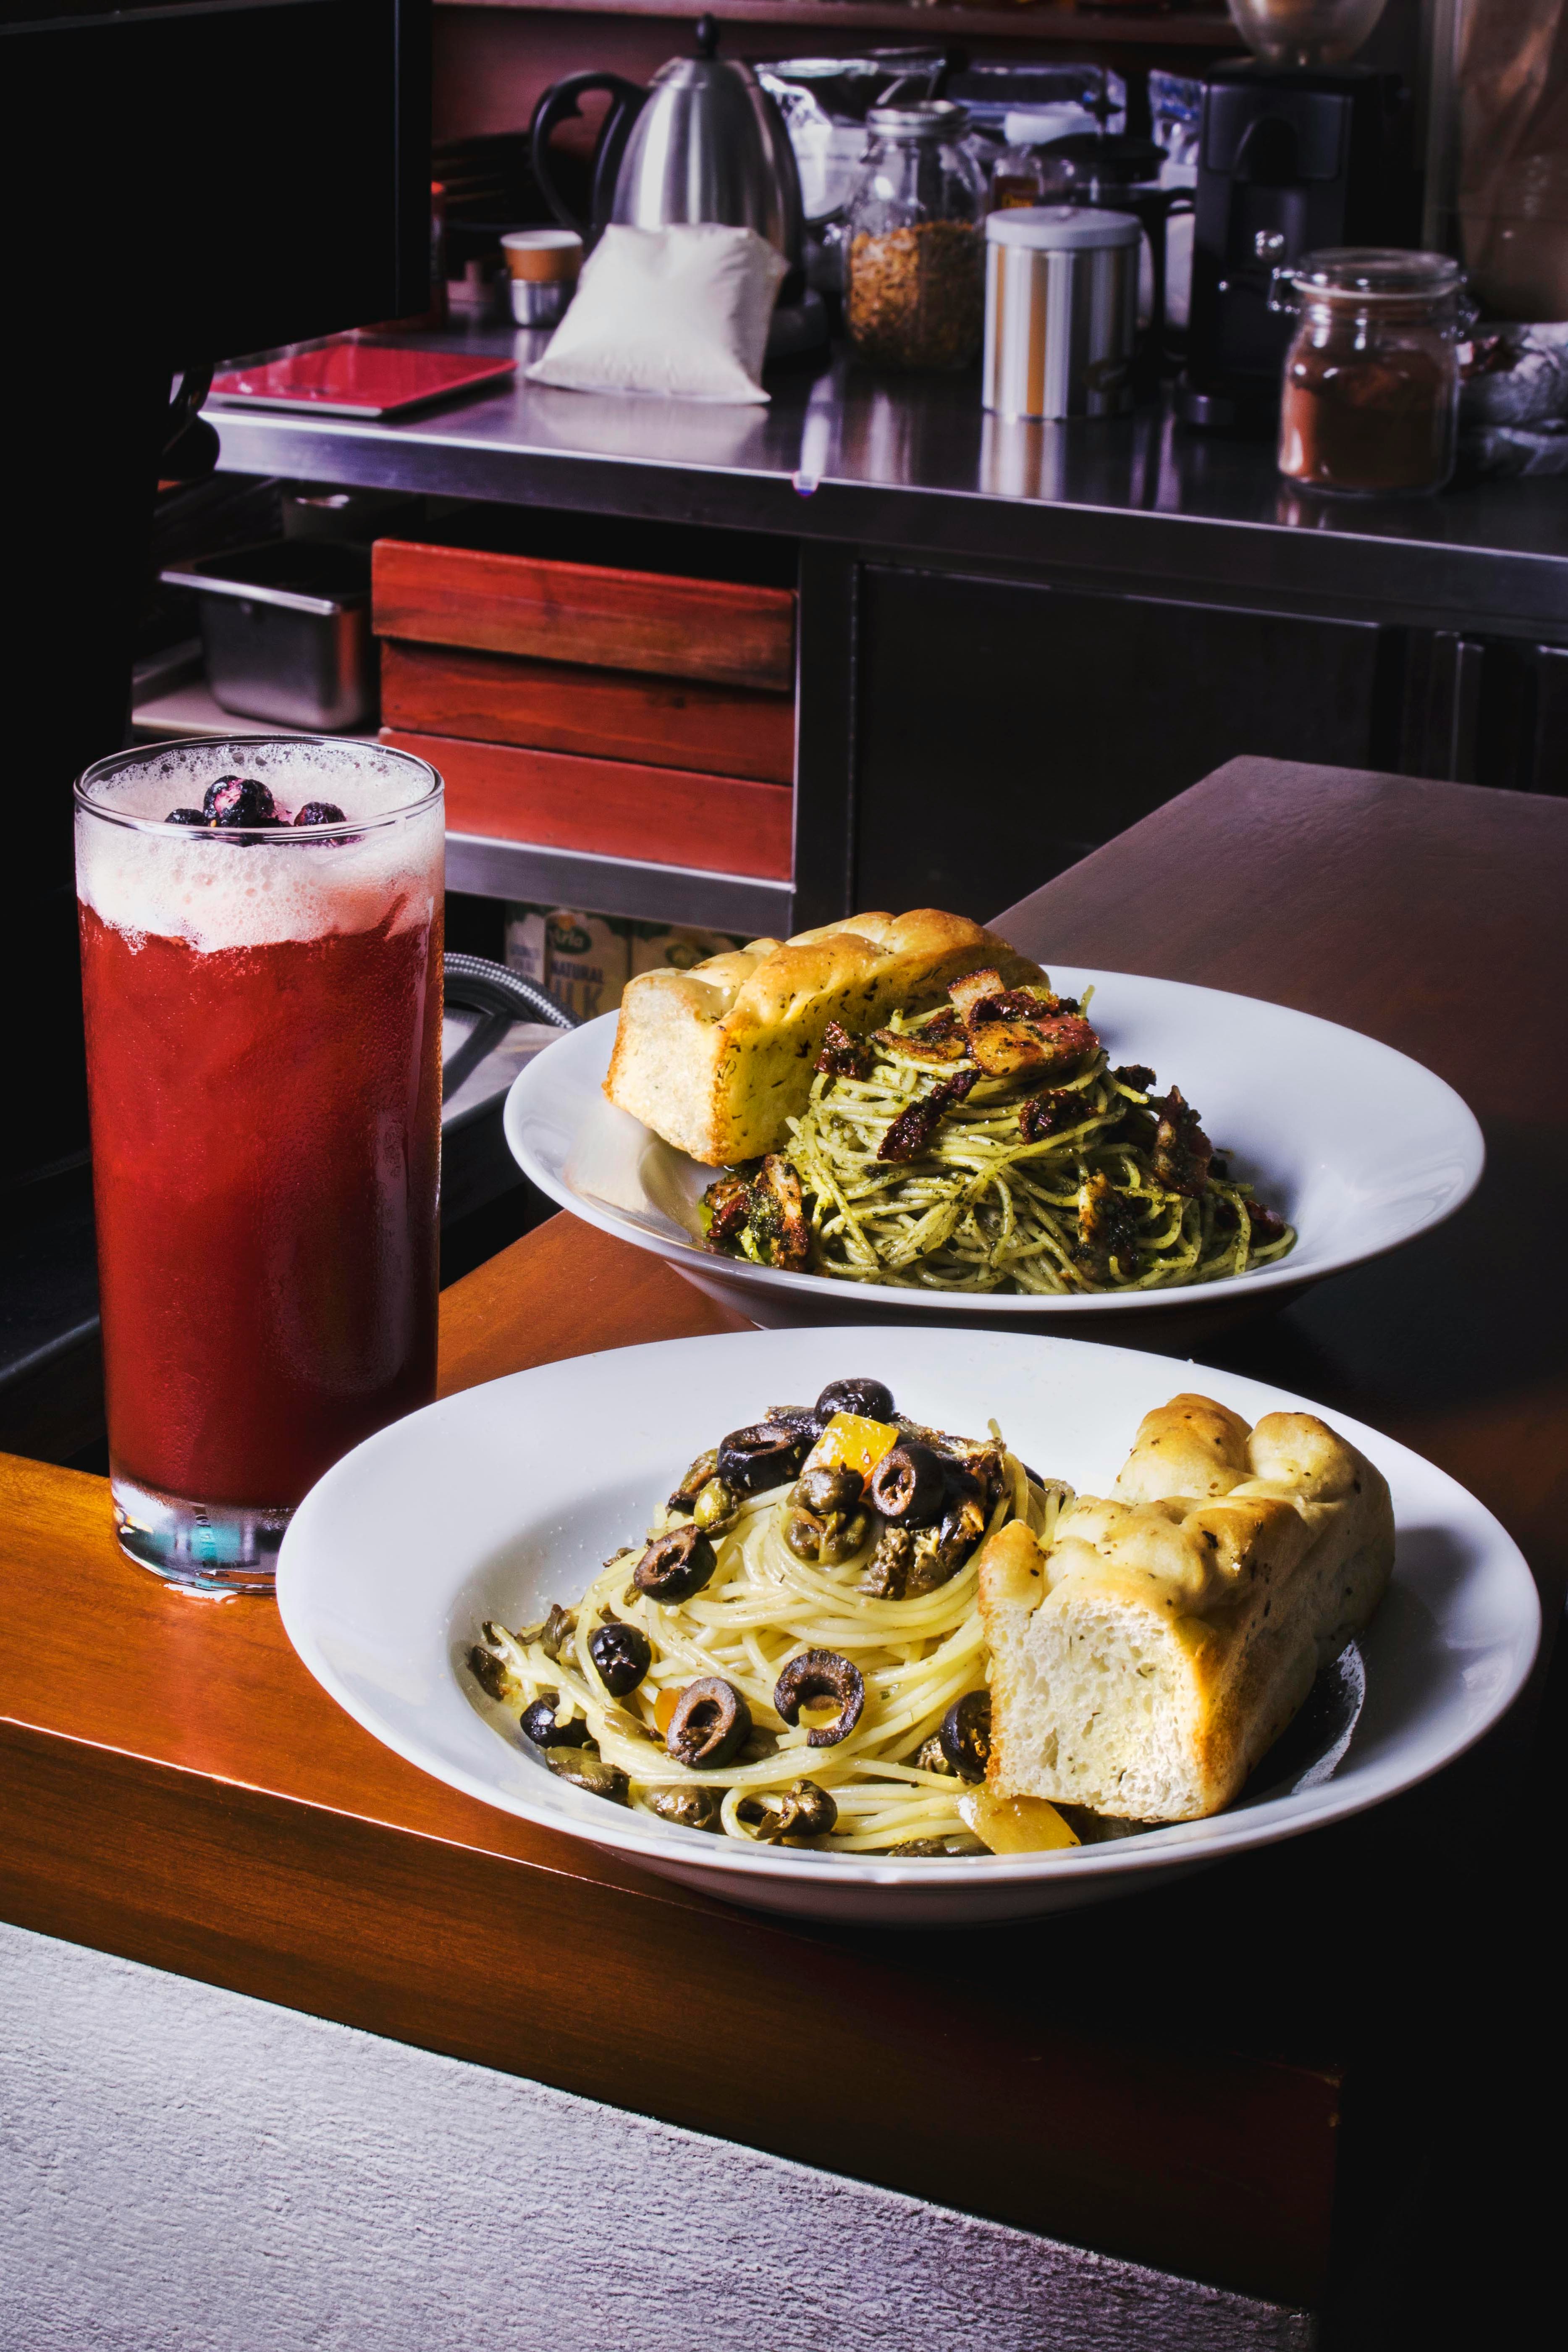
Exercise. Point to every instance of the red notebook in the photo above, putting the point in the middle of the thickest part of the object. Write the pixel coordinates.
(347, 378)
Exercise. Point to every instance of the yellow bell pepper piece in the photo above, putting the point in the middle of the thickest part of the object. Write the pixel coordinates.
(850, 1442)
(1016, 1824)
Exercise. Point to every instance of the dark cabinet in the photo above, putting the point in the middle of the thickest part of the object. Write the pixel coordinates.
(1004, 727)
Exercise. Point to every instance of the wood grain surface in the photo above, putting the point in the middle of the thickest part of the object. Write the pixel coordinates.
(616, 808)
(721, 630)
(602, 714)
(1231, 2077)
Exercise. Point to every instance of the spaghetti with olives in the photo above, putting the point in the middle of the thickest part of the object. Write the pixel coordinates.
(763, 1612)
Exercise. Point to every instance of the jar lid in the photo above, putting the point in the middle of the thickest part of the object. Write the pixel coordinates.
(928, 118)
(1033, 126)
(1061, 228)
(1376, 273)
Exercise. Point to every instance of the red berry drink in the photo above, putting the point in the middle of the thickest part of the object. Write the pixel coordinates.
(261, 972)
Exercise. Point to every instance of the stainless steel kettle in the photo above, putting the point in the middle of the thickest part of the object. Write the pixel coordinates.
(704, 142)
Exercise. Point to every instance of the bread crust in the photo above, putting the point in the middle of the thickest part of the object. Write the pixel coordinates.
(1146, 1663)
(716, 1059)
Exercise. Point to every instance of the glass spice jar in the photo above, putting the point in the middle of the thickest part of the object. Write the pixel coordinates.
(1369, 405)
(915, 251)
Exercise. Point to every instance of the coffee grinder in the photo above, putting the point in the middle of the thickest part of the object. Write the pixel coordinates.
(1298, 150)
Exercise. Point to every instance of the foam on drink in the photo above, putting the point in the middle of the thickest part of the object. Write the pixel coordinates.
(171, 883)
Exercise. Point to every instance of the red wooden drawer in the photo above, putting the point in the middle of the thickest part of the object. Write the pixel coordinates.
(610, 808)
(585, 613)
(608, 714)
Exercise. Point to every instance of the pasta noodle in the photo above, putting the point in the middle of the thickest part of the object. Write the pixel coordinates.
(763, 1607)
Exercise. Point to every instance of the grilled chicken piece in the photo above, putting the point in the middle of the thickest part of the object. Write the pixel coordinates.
(1181, 1149)
(727, 1201)
(1106, 1230)
(1018, 1031)
(778, 1216)
(908, 1136)
(940, 1040)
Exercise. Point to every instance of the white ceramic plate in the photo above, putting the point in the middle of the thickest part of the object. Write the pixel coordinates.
(1358, 1146)
(496, 1502)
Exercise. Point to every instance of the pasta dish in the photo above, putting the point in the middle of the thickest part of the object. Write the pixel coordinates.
(796, 1655)
(986, 1144)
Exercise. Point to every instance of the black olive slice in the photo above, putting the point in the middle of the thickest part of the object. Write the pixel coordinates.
(908, 1486)
(539, 1724)
(711, 1723)
(763, 1454)
(622, 1654)
(868, 1400)
(811, 1679)
(965, 1735)
(676, 1565)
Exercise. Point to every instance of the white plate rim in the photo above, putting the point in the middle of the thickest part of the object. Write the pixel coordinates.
(537, 1082)
(1175, 1844)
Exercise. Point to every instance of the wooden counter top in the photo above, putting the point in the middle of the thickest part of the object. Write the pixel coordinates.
(1160, 2078)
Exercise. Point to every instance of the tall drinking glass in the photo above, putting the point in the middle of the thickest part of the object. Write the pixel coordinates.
(263, 1004)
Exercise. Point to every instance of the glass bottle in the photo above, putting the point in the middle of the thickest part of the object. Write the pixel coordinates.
(1369, 404)
(915, 259)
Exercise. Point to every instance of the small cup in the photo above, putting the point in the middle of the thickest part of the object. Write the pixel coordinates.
(536, 255)
(541, 301)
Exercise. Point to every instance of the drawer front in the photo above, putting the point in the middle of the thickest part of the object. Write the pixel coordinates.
(585, 613)
(606, 714)
(610, 808)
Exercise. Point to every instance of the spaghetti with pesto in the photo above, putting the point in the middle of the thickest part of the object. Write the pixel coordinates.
(986, 1144)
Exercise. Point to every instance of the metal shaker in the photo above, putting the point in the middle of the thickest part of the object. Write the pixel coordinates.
(1061, 310)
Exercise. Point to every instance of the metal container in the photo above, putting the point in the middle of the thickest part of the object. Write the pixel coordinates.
(286, 630)
(703, 142)
(1062, 312)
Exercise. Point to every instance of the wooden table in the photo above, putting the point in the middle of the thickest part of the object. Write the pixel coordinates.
(1170, 2077)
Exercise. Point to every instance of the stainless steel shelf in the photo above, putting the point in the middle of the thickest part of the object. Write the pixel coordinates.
(617, 885)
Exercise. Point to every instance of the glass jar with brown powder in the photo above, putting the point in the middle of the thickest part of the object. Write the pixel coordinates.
(914, 275)
(1370, 400)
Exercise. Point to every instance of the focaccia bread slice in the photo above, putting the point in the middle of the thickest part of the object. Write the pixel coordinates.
(1146, 1662)
(716, 1059)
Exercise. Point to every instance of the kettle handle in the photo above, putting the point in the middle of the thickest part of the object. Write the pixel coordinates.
(559, 104)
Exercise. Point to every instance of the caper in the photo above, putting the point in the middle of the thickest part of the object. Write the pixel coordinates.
(488, 1671)
(802, 1533)
(557, 1630)
(889, 1571)
(965, 1735)
(842, 1537)
(689, 1809)
(622, 1654)
(932, 1757)
(715, 1510)
(807, 1812)
(826, 1489)
(696, 1478)
(590, 1773)
(954, 1841)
